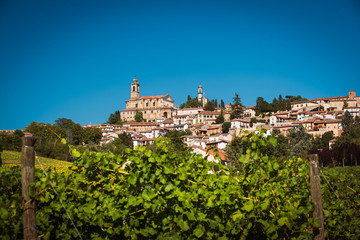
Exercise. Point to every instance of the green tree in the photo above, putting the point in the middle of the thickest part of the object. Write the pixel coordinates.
(237, 107)
(345, 104)
(139, 116)
(225, 127)
(220, 118)
(114, 118)
(176, 138)
(17, 143)
(322, 142)
(92, 135)
(209, 106)
(191, 103)
(121, 143)
(300, 141)
(262, 106)
(222, 104)
(73, 131)
(1, 148)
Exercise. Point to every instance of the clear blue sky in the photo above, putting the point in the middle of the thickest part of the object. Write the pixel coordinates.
(76, 59)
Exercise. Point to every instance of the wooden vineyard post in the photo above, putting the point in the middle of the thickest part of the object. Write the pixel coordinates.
(28, 177)
(315, 190)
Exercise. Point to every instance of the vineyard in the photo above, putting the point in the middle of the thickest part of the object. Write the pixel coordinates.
(162, 194)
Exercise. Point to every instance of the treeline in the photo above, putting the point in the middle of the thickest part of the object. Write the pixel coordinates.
(209, 106)
(11, 141)
(48, 137)
(346, 149)
(278, 104)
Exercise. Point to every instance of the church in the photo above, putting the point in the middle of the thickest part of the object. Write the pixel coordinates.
(152, 107)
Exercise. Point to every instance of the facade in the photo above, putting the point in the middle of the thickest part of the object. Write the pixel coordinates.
(207, 117)
(152, 107)
(328, 103)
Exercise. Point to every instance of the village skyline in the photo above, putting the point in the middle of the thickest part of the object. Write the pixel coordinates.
(77, 60)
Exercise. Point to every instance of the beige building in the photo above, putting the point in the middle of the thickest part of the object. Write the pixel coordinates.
(152, 107)
(328, 103)
(207, 117)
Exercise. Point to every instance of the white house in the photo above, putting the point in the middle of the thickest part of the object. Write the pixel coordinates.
(240, 123)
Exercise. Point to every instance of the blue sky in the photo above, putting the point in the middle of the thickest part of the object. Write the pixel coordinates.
(76, 59)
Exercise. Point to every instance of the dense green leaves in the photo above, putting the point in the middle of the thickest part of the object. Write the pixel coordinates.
(161, 194)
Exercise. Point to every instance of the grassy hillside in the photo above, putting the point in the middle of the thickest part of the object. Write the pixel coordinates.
(12, 158)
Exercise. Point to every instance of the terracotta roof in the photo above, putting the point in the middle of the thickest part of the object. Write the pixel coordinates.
(191, 108)
(148, 97)
(252, 107)
(140, 123)
(168, 121)
(240, 120)
(209, 113)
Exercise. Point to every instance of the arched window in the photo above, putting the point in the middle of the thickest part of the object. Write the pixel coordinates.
(165, 115)
(133, 88)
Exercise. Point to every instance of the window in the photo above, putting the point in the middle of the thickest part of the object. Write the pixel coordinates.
(133, 88)
(147, 104)
(153, 104)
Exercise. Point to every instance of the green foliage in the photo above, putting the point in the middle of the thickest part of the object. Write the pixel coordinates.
(11, 141)
(115, 118)
(10, 202)
(209, 106)
(222, 104)
(225, 127)
(164, 195)
(278, 104)
(341, 202)
(142, 194)
(92, 135)
(237, 107)
(220, 118)
(351, 130)
(300, 141)
(178, 144)
(139, 116)
(262, 106)
(121, 143)
(321, 142)
(191, 103)
(47, 135)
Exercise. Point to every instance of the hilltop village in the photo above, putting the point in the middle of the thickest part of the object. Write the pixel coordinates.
(160, 116)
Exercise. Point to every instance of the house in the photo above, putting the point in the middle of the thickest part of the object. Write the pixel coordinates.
(240, 123)
(167, 123)
(189, 111)
(140, 126)
(354, 111)
(219, 144)
(180, 119)
(180, 127)
(207, 117)
(249, 112)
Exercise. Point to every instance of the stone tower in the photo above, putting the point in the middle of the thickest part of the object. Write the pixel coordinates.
(352, 94)
(200, 93)
(135, 89)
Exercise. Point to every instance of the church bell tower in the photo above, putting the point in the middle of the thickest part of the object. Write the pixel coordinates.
(200, 93)
(135, 89)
